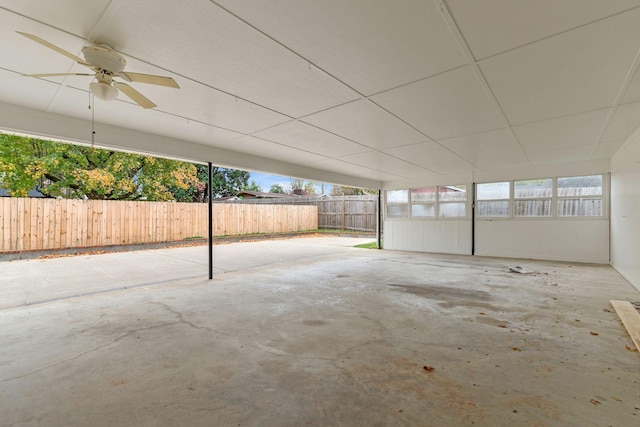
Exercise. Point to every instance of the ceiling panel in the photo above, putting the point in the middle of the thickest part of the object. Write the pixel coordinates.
(430, 156)
(494, 26)
(366, 123)
(625, 120)
(201, 103)
(306, 137)
(340, 166)
(562, 155)
(22, 55)
(605, 150)
(271, 150)
(498, 144)
(37, 94)
(507, 160)
(578, 71)
(632, 93)
(76, 17)
(450, 104)
(384, 162)
(371, 46)
(199, 40)
(569, 131)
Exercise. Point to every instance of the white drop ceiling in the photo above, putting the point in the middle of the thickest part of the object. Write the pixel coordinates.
(376, 94)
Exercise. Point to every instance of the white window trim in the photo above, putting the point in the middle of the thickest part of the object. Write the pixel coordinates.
(554, 202)
(468, 204)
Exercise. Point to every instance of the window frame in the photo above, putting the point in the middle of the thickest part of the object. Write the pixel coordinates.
(509, 200)
(603, 197)
(436, 203)
(387, 204)
(555, 198)
(445, 202)
(550, 198)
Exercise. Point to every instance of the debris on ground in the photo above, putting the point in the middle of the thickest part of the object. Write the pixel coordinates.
(428, 368)
(519, 269)
(595, 401)
(593, 333)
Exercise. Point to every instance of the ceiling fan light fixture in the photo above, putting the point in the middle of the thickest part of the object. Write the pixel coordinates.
(103, 90)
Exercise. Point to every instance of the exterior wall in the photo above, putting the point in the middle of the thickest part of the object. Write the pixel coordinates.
(577, 240)
(561, 239)
(625, 211)
(440, 236)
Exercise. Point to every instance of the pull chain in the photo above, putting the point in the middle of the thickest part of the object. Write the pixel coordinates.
(93, 112)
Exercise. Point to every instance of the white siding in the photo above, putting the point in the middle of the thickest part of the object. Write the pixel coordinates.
(625, 211)
(441, 236)
(576, 240)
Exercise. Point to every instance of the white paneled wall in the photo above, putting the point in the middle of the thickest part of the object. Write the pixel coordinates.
(441, 236)
(577, 240)
(625, 211)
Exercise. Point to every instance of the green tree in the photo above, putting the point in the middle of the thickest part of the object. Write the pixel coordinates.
(225, 183)
(309, 188)
(253, 186)
(228, 182)
(277, 188)
(73, 171)
(306, 188)
(340, 190)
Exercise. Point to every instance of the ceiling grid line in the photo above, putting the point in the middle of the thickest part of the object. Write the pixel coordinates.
(455, 30)
(616, 103)
(550, 36)
(299, 55)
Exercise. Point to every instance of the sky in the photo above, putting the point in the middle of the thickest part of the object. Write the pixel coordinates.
(265, 181)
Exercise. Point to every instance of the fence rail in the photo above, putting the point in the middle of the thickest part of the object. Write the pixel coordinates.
(37, 224)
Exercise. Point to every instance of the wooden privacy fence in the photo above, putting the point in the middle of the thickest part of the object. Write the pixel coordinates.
(37, 224)
(342, 212)
(348, 213)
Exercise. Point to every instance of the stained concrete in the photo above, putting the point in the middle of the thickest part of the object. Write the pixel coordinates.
(314, 332)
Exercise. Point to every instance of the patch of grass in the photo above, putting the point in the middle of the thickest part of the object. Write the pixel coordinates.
(340, 230)
(370, 245)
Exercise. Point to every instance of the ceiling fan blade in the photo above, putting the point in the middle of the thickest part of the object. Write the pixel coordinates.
(54, 47)
(58, 74)
(149, 78)
(136, 96)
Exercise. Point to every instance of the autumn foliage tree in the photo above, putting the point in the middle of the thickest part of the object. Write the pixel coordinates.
(73, 171)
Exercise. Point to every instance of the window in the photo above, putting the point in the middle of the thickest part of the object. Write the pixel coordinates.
(397, 204)
(452, 201)
(532, 197)
(423, 202)
(493, 199)
(580, 196)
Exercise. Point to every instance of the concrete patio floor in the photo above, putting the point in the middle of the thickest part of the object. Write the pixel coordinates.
(313, 332)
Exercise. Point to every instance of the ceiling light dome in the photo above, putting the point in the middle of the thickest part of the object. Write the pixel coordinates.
(103, 90)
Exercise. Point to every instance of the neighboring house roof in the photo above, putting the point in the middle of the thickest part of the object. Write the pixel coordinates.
(32, 193)
(261, 195)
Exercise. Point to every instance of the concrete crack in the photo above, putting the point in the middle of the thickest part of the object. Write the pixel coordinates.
(77, 356)
(181, 318)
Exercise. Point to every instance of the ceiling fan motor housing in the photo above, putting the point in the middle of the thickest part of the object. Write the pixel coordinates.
(102, 57)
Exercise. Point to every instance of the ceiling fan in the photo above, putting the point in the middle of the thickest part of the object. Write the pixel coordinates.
(106, 64)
